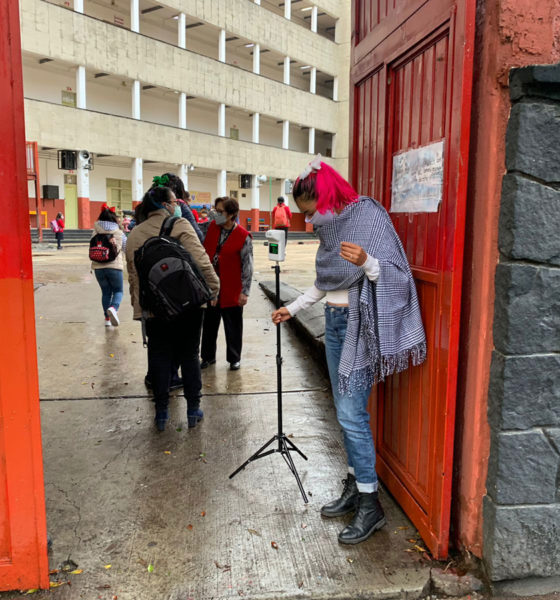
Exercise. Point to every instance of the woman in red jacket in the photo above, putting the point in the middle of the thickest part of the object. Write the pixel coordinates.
(59, 234)
(230, 250)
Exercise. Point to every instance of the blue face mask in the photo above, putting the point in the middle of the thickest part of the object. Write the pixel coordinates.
(177, 212)
(319, 220)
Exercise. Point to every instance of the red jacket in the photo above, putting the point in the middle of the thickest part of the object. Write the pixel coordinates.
(229, 262)
(60, 223)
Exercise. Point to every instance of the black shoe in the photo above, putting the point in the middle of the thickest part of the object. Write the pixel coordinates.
(176, 384)
(347, 501)
(235, 366)
(161, 419)
(369, 518)
(206, 363)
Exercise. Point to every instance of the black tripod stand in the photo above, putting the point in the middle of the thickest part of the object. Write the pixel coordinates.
(285, 445)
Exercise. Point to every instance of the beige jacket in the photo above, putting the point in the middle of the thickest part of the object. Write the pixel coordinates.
(118, 237)
(184, 232)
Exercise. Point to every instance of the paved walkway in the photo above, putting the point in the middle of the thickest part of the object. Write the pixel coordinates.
(149, 515)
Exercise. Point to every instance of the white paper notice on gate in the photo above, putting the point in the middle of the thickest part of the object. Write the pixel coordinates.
(418, 179)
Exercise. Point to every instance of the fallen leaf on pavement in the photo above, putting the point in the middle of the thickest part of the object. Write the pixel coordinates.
(167, 451)
(111, 355)
(31, 591)
(76, 572)
(189, 527)
(350, 560)
(203, 513)
(55, 584)
(274, 545)
(142, 562)
(304, 525)
(107, 567)
(254, 532)
(150, 568)
(300, 584)
(223, 568)
(54, 572)
(419, 548)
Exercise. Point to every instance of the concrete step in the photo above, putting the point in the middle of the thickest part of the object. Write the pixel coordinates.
(71, 236)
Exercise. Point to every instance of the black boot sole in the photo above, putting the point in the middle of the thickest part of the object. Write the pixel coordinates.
(375, 527)
(338, 514)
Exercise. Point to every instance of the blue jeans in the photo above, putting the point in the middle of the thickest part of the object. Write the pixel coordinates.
(111, 284)
(351, 410)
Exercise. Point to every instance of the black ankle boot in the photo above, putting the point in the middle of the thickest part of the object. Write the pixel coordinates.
(369, 517)
(346, 503)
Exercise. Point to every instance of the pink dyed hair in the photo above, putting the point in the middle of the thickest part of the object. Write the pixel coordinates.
(327, 186)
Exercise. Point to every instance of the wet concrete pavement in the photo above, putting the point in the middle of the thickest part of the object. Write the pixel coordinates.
(149, 515)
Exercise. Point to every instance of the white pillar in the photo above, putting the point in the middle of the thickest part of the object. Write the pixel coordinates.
(182, 31)
(135, 15)
(313, 80)
(335, 88)
(222, 46)
(258, 2)
(137, 179)
(287, 70)
(288, 9)
(286, 135)
(183, 110)
(184, 175)
(81, 87)
(222, 183)
(255, 193)
(314, 19)
(79, 6)
(83, 178)
(257, 59)
(136, 99)
(222, 120)
(256, 128)
(311, 140)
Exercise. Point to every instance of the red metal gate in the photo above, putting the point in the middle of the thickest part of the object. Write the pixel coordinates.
(411, 82)
(23, 536)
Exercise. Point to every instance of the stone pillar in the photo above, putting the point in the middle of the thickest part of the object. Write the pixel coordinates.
(288, 9)
(182, 31)
(222, 183)
(183, 110)
(184, 175)
(335, 88)
(256, 128)
(313, 80)
(222, 120)
(81, 87)
(135, 15)
(311, 149)
(286, 135)
(137, 180)
(136, 99)
(84, 216)
(287, 70)
(255, 205)
(222, 46)
(257, 59)
(314, 13)
(79, 6)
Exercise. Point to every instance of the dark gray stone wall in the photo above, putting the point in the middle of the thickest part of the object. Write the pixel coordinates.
(522, 507)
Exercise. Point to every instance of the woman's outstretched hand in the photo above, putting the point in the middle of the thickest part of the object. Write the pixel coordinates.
(281, 315)
(353, 253)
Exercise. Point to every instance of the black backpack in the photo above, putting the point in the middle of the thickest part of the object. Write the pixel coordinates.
(103, 248)
(170, 281)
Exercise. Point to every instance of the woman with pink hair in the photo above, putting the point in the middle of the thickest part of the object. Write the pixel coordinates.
(373, 326)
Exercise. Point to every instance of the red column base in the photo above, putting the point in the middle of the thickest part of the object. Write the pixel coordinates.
(309, 228)
(255, 216)
(84, 216)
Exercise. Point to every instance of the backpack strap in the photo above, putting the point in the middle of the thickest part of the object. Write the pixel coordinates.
(167, 225)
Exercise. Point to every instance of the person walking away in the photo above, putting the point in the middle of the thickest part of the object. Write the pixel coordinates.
(176, 341)
(58, 227)
(105, 251)
(281, 216)
(373, 326)
(230, 249)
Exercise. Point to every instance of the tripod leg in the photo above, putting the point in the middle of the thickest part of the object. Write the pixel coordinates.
(255, 456)
(288, 458)
(295, 448)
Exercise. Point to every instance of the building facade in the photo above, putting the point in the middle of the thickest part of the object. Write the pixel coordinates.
(209, 90)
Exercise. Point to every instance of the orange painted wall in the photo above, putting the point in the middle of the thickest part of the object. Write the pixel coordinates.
(510, 33)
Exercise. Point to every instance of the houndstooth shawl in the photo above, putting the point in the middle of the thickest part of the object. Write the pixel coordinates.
(384, 330)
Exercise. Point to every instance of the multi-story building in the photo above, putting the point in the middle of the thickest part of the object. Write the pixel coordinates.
(209, 89)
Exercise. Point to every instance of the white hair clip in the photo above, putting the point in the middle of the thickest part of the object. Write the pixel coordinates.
(314, 165)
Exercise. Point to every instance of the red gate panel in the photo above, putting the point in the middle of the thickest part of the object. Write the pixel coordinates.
(411, 73)
(23, 537)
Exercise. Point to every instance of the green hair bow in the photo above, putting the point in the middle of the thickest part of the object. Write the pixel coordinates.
(162, 181)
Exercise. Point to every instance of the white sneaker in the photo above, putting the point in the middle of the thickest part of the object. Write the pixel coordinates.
(107, 323)
(113, 316)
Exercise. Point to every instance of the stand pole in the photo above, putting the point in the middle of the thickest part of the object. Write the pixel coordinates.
(285, 445)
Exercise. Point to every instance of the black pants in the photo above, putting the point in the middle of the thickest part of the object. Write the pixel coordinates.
(233, 327)
(171, 343)
(59, 235)
(285, 230)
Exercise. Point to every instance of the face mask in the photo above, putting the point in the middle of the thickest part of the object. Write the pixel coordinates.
(319, 220)
(220, 219)
(177, 212)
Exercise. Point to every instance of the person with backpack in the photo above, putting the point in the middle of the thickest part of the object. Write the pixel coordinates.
(105, 252)
(281, 216)
(57, 226)
(170, 277)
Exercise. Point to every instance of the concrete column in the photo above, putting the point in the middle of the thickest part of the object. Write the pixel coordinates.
(256, 128)
(184, 175)
(81, 87)
(136, 99)
(182, 31)
(286, 135)
(287, 70)
(222, 46)
(314, 13)
(257, 59)
(222, 120)
(335, 88)
(135, 15)
(288, 9)
(313, 80)
(311, 140)
(84, 218)
(137, 179)
(255, 205)
(79, 6)
(222, 183)
(183, 110)
(333, 145)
